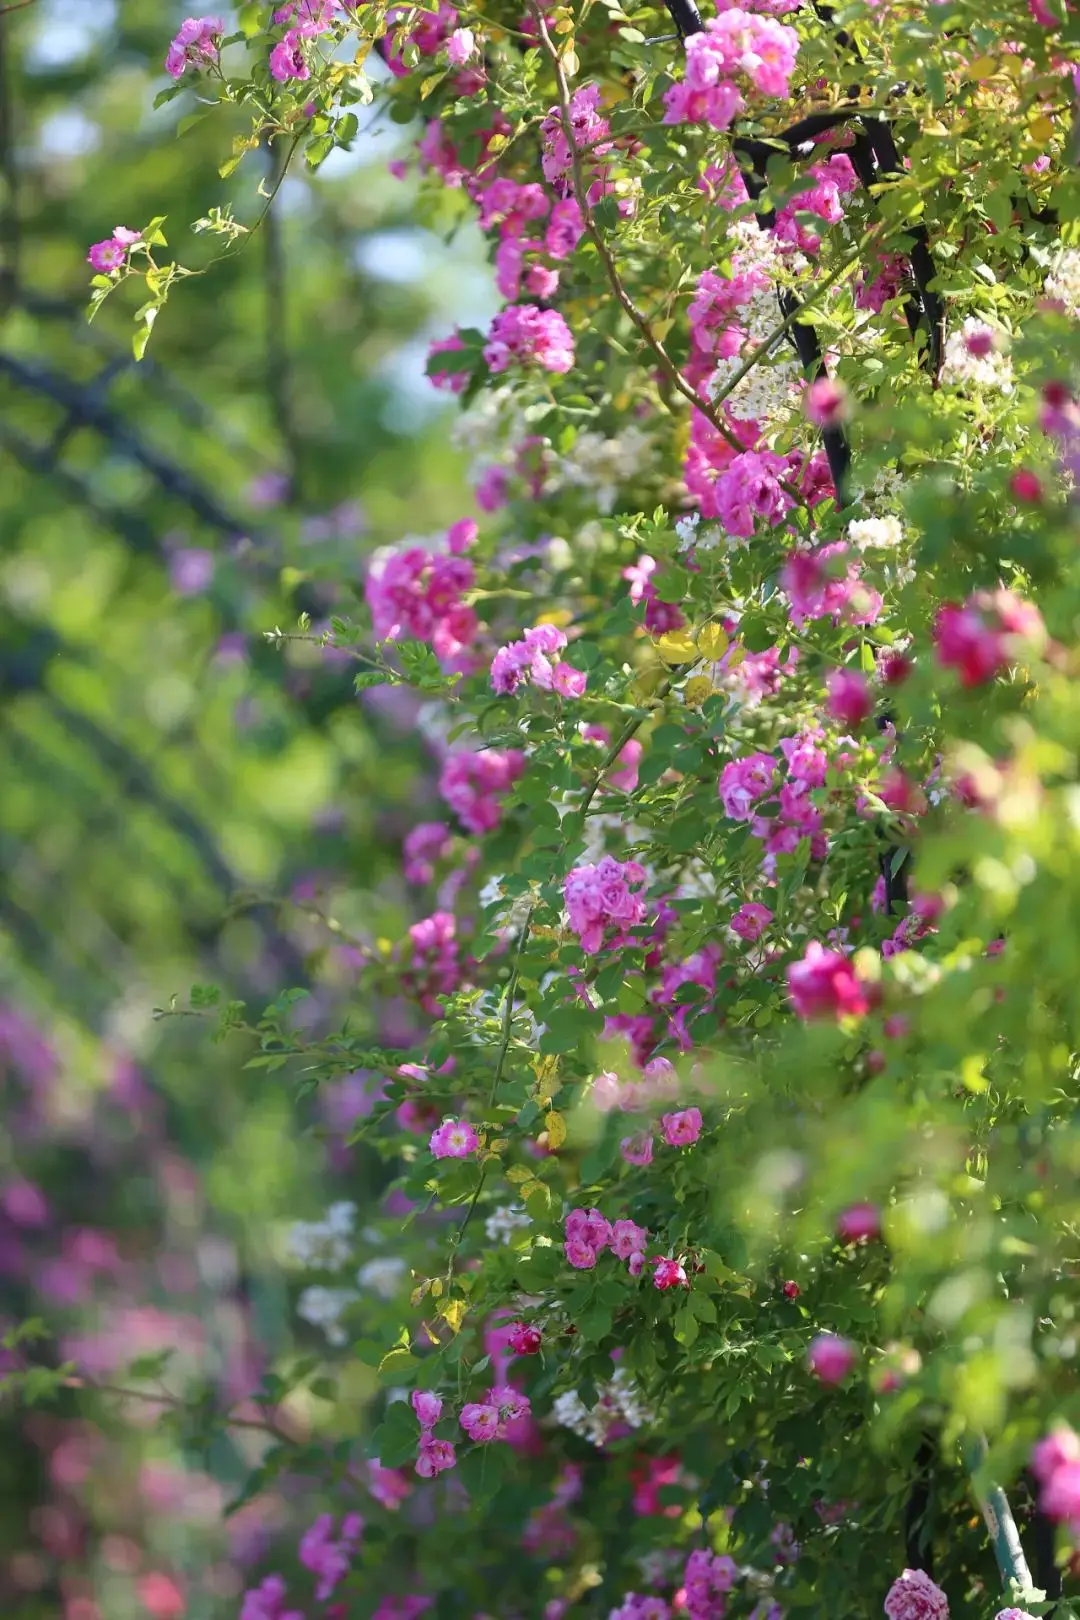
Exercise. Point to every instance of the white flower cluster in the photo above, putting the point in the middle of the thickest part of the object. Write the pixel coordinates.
(691, 536)
(875, 534)
(990, 370)
(328, 1243)
(324, 1308)
(503, 1222)
(1063, 282)
(619, 1402)
(601, 465)
(383, 1275)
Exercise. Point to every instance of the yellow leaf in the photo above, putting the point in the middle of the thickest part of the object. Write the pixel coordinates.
(981, 68)
(453, 1313)
(660, 329)
(697, 689)
(560, 617)
(1040, 129)
(518, 1172)
(677, 647)
(556, 1129)
(971, 1073)
(713, 642)
(570, 65)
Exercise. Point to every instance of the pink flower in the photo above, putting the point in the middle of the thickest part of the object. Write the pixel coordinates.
(267, 1602)
(981, 638)
(579, 1254)
(859, 1223)
(287, 60)
(627, 1238)
(669, 1274)
(588, 127)
(791, 1290)
(326, 1556)
(195, 45)
(850, 698)
(751, 921)
(825, 985)
(444, 376)
(480, 1420)
(110, 256)
(470, 784)
(531, 659)
(1060, 1495)
(681, 1129)
(428, 1408)
(424, 845)
(601, 897)
(454, 1139)
(744, 782)
(1059, 1447)
(461, 47)
(825, 402)
(914, 1596)
(434, 1456)
(830, 1358)
(525, 1340)
(525, 333)
(637, 1149)
(589, 1226)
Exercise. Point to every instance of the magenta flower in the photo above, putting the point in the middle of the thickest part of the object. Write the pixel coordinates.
(525, 1340)
(196, 44)
(428, 1408)
(637, 1149)
(579, 1254)
(850, 699)
(681, 1129)
(525, 334)
(287, 60)
(627, 1239)
(830, 1358)
(669, 1274)
(480, 1421)
(751, 921)
(1059, 1447)
(826, 401)
(461, 47)
(914, 1596)
(859, 1224)
(825, 985)
(434, 1456)
(110, 256)
(454, 1139)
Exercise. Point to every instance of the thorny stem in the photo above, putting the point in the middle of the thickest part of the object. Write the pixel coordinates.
(611, 269)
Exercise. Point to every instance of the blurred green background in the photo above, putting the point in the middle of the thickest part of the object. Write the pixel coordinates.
(168, 777)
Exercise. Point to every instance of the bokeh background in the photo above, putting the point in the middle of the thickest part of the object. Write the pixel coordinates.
(181, 802)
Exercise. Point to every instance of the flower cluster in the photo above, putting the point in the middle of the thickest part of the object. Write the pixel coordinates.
(525, 334)
(472, 783)
(588, 1234)
(196, 44)
(760, 49)
(531, 659)
(914, 1596)
(418, 591)
(487, 1420)
(601, 898)
(707, 1580)
(986, 633)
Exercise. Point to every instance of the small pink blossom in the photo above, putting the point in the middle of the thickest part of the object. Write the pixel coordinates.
(914, 1596)
(850, 699)
(637, 1150)
(428, 1408)
(681, 1129)
(454, 1139)
(627, 1238)
(825, 985)
(859, 1223)
(480, 1420)
(434, 1456)
(669, 1273)
(1059, 1447)
(196, 44)
(751, 921)
(826, 402)
(461, 47)
(287, 59)
(524, 1339)
(830, 1358)
(524, 334)
(110, 256)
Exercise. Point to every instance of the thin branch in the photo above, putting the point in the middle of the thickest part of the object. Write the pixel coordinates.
(176, 1403)
(508, 1010)
(611, 269)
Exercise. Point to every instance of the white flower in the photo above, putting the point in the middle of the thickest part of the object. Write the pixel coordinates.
(989, 370)
(324, 1308)
(327, 1244)
(1063, 282)
(503, 1222)
(875, 534)
(618, 1401)
(382, 1276)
